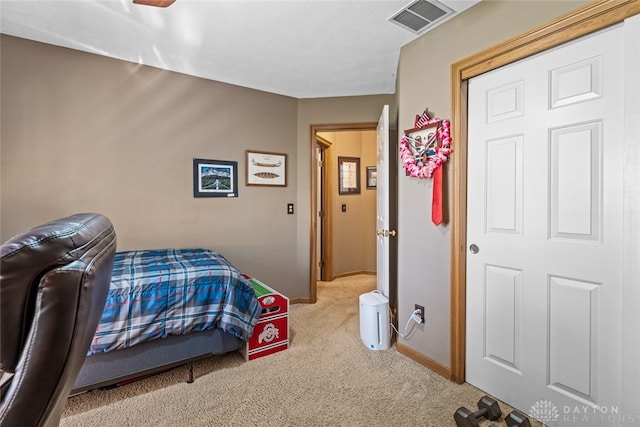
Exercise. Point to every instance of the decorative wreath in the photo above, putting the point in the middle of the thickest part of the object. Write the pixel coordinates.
(421, 153)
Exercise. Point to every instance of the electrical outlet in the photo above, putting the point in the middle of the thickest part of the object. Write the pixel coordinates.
(421, 308)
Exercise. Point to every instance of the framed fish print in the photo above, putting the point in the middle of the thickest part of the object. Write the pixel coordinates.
(267, 169)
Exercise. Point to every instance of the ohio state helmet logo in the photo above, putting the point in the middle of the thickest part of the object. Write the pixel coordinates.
(269, 333)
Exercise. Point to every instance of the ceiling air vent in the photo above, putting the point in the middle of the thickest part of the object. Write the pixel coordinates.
(421, 14)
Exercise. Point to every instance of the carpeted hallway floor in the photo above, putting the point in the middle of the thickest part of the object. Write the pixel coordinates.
(326, 378)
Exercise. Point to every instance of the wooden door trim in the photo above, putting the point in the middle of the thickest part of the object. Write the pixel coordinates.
(584, 20)
(327, 231)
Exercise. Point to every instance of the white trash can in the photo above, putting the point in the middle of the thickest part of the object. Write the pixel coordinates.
(374, 321)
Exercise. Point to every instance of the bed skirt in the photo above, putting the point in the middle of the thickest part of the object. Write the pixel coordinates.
(104, 369)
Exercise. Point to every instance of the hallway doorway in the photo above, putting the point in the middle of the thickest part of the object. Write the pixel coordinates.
(346, 216)
(335, 216)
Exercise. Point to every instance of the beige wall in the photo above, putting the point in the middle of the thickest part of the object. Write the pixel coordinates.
(82, 132)
(424, 81)
(368, 217)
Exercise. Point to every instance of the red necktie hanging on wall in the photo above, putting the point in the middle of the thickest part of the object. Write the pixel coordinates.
(436, 199)
(423, 151)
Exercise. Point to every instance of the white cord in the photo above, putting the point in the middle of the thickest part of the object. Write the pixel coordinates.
(415, 316)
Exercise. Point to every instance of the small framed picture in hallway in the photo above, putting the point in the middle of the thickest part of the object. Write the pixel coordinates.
(349, 175)
(372, 177)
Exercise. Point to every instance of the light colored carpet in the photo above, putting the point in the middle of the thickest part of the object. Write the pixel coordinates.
(326, 378)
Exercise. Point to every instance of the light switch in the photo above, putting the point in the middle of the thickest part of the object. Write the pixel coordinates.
(290, 208)
(344, 207)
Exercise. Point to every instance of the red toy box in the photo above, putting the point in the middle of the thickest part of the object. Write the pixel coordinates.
(271, 333)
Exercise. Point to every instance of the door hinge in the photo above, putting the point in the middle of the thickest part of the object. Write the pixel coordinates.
(320, 163)
(321, 214)
(321, 264)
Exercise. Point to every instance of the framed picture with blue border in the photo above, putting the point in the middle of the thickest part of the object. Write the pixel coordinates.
(215, 178)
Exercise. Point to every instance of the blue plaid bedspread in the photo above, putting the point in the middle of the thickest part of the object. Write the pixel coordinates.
(156, 293)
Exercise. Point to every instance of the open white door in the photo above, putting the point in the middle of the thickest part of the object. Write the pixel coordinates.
(382, 203)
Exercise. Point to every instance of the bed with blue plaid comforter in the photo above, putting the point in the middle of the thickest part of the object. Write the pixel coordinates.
(156, 293)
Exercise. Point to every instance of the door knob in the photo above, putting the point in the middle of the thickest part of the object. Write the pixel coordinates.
(474, 249)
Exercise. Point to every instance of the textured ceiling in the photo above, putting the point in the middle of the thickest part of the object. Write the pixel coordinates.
(298, 48)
